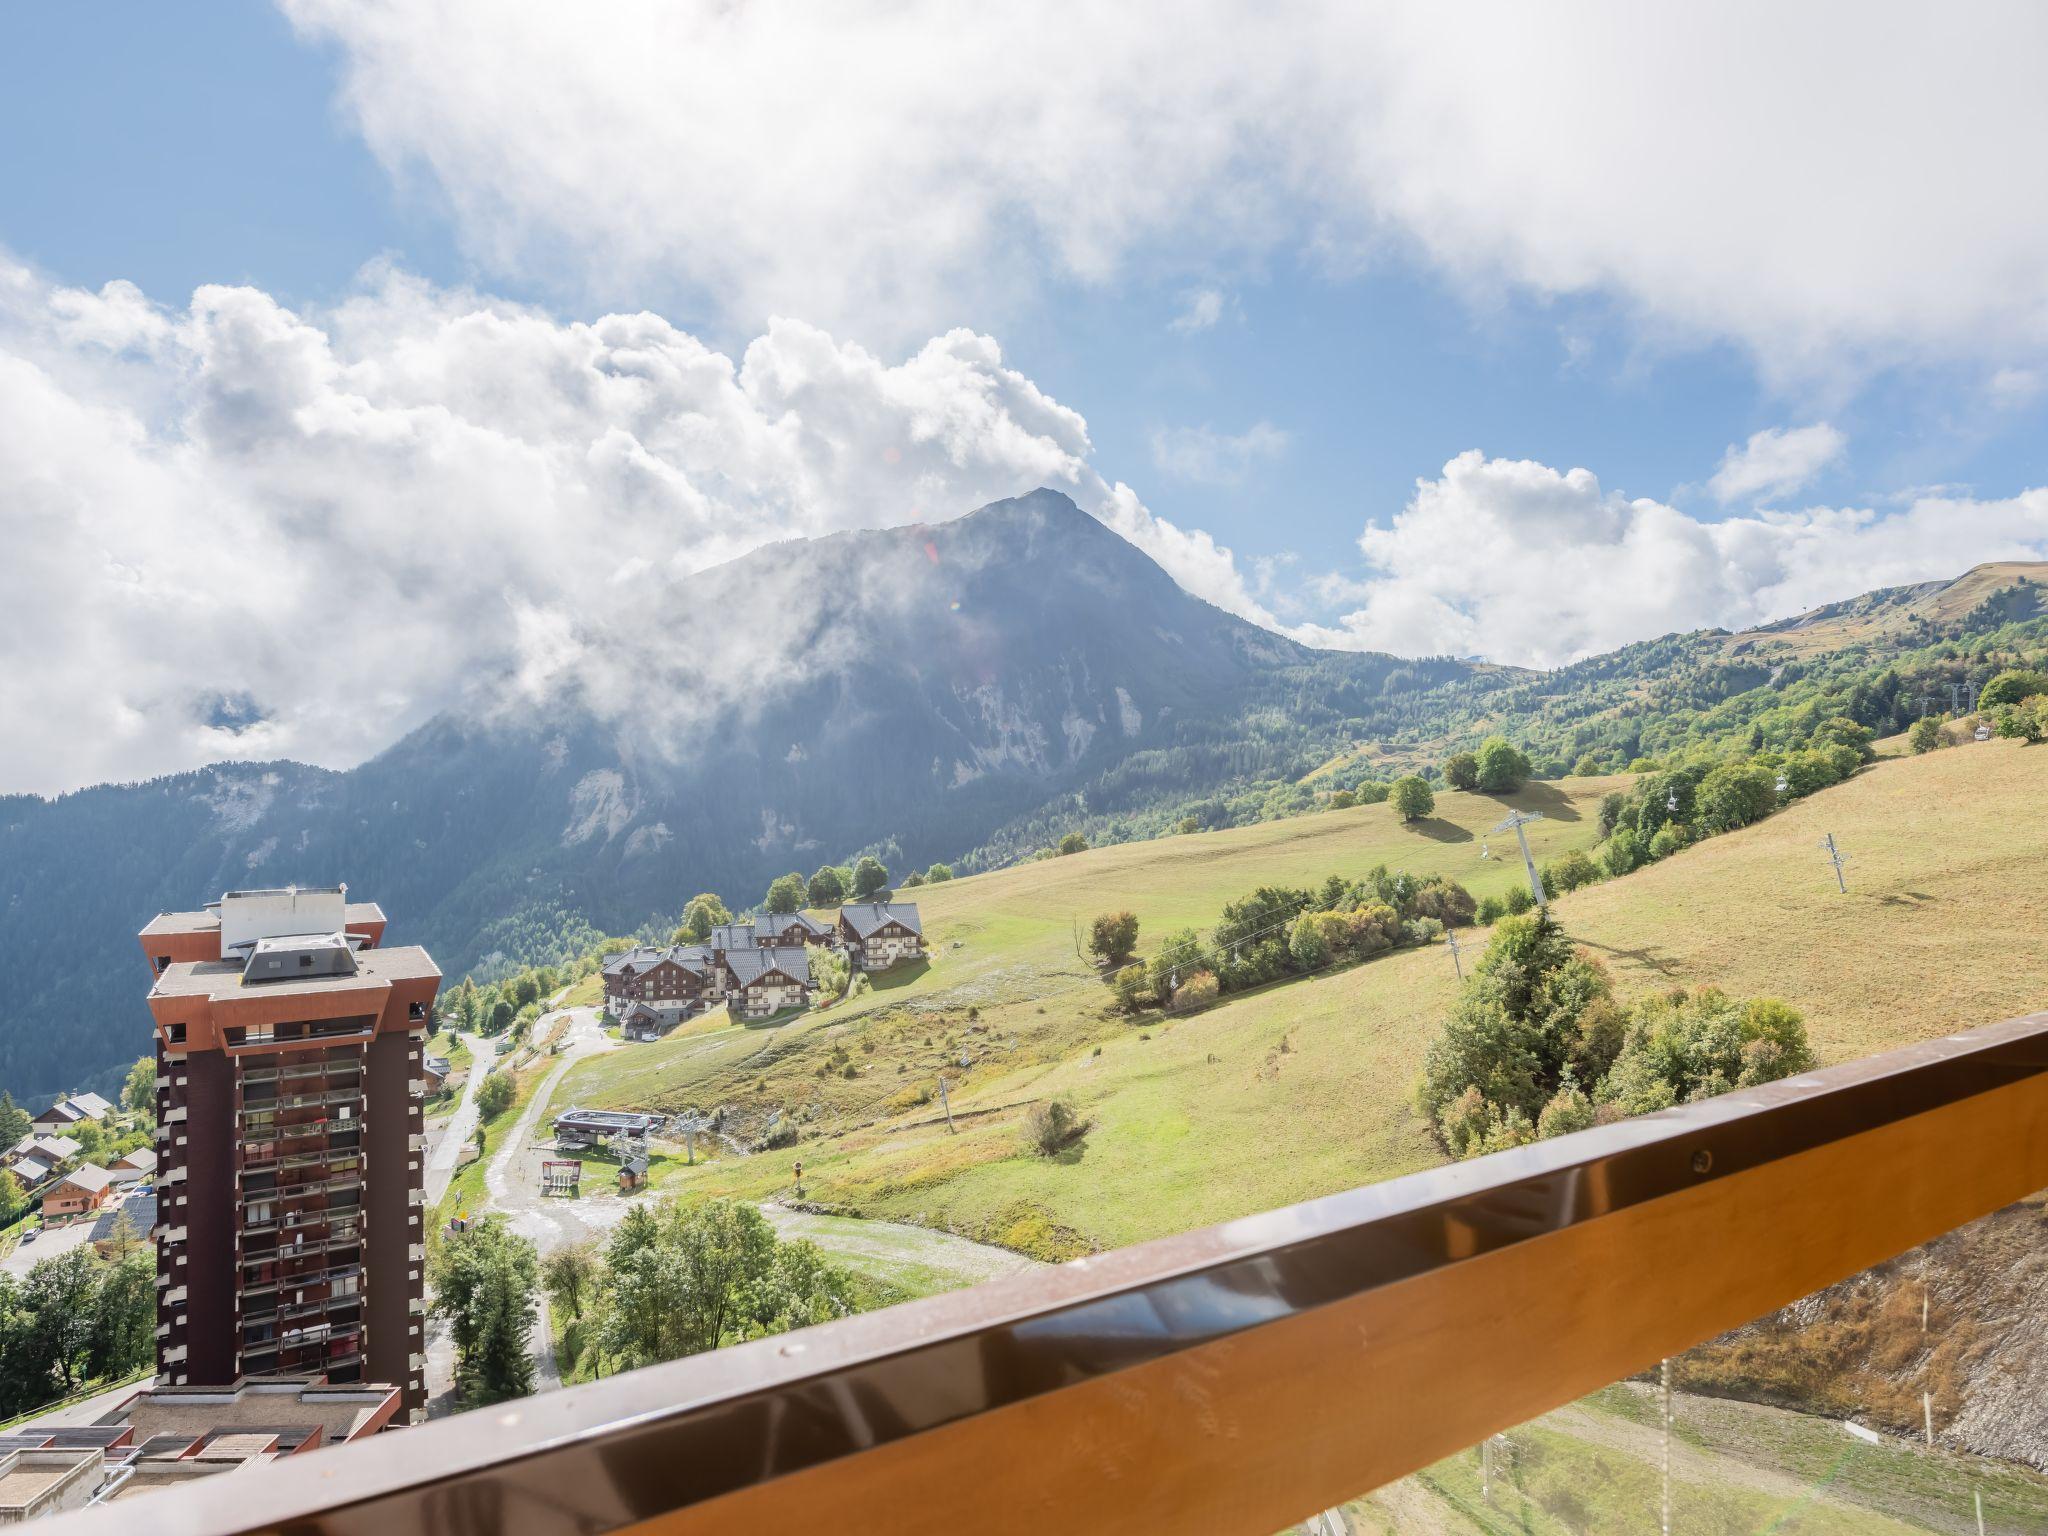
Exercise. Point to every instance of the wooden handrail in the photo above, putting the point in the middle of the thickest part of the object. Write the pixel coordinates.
(1237, 1378)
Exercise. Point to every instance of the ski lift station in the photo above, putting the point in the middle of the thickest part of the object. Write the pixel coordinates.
(589, 1127)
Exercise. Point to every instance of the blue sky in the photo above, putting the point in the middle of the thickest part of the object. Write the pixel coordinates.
(1271, 346)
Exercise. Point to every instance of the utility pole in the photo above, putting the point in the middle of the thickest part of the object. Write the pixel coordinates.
(947, 1105)
(1837, 858)
(1451, 938)
(1519, 820)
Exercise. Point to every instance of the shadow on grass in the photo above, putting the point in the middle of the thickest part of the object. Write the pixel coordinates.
(897, 975)
(1649, 959)
(775, 1020)
(1071, 1153)
(1438, 830)
(1547, 798)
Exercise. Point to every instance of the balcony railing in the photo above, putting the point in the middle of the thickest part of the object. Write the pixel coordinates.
(1242, 1377)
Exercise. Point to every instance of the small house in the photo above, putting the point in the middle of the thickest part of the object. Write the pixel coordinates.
(75, 1110)
(641, 1022)
(136, 1167)
(85, 1188)
(879, 934)
(47, 1150)
(633, 1173)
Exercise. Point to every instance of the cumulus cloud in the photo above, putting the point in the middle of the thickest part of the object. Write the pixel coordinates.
(1204, 456)
(1775, 462)
(237, 530)
(1520, 562)
(1793, 178)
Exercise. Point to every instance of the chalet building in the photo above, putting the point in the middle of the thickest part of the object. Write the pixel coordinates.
(84, 1188)
(641, 1022)
(673, 983)
(760, 982)
(76, 1110)
(48, 1151)
(879, 934)
(136, 1167)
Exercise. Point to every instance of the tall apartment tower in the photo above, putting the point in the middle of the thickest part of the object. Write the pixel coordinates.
(290, 1143)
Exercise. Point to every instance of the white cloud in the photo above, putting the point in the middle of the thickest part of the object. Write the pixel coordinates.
(1775, 462)
(1521, 563)
(348, 517)
(1837, 185)
(1201, 308)
(2012, 388)
(1204, 456)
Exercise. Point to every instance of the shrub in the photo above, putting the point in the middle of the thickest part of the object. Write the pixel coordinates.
(1669, 839)
(2011, 686)
(1421, 930)
(1925, 735)
(1372, 928)
(1518, 900)
(1569, 871)
(2025, 722)
(1624, 851)
(1114, 935)
(1589, 766)
(1568, 1110)
(1053, 1125)
(1611, 807)
(1461, 770)
(1074, 842)
(1132, 987)
(938, 873)
(494, 1095)
(1683, 1047)
(1445, 900)
(1306, 943)
(1197, 991)
(1372, 791)
(1489, 911)
(1734, 795)
(1343, 800)
(1412, 797)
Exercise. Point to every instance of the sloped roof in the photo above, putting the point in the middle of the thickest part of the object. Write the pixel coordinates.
(63, 1110)
(92, 1104)
(867, 916)
(627, 961)
(90, 1176)
(138, 1157)
(30, 1170)
(750, 965)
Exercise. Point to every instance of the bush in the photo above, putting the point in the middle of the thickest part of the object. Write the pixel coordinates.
(1053, 1125)
(1132, 987)
(1590, 766)
(494, 1095)
(1412, 797)
(2025, 722)
(1568, 1110)
(1569, 871)
(1683, 1047)
(1461, 770)
(1113, 936)
(1445, 900)
(1306, 943)
(1517, 901)
(1490, 911)
(1074, 842)
(1734, 795)
(2011, 686)
(938, 873)
(1669, 839)
(1925, 735)
(1197, 991)
(1624, 852)
(1343, 800)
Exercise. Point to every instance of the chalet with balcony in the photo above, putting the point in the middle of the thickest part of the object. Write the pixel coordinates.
(68, 1112)
(671, 983)
(85, 1188)
(879, 934)
(761, 982)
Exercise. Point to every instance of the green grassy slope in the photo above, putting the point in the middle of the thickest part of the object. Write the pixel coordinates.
(1302, 1088)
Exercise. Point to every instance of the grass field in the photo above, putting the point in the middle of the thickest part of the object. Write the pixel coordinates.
(1303, 1088)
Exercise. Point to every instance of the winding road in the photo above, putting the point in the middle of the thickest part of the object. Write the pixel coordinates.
(447, 1154)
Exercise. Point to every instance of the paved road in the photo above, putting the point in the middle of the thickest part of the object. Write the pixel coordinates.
(447, 1154)
(53, 1240)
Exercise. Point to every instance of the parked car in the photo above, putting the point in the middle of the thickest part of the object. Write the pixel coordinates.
(29, 1234)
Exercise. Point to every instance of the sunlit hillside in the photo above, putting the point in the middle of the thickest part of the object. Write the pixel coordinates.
(1303, 1088)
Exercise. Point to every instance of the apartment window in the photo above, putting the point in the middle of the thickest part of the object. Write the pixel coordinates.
(163, 963)
(416, 1011)
(177, 1033)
